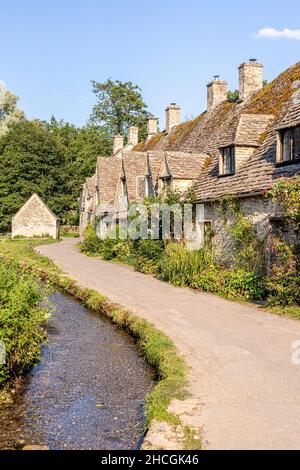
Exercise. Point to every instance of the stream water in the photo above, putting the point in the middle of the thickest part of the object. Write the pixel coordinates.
(88, 390)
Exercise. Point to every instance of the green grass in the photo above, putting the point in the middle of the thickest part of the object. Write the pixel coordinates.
(23, 250)
(191, 441)
(157, 348)
(292, 311)
(21, 319)
(69, 235)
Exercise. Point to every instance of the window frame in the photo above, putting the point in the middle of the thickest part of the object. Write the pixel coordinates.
(123, 187)
(148, 186)
(231, 171)
(280, 161)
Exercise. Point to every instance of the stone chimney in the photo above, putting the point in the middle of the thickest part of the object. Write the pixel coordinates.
(172, 116)
(216, 92)
(250, 78)
(152, 124)
(133, 135)
(118, 143)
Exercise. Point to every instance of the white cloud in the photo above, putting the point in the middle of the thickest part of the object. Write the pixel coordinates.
(276, 33)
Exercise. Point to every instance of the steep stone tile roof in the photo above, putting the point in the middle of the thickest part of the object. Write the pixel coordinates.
(187, 166)
(31, 204)
(191, 149)
(246, 123)
(137, 165)
(108, 174)
(250, 128)
(135, 170)
(90, 185)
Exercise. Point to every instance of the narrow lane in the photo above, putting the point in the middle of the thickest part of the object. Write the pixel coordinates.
(245, 388)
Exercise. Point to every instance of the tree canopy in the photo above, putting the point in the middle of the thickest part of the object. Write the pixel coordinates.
(50, 159)
(119, 106)
(54, 158)
(9, 112)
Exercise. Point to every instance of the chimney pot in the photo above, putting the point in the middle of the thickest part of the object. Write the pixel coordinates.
(172, 116)
(250, 78)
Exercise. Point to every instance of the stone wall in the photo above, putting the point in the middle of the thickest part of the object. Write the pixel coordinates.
(260, 211)
(35, 219)
(181, 184)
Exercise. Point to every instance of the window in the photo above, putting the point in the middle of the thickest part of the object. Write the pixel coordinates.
(148, 186)
(227, 161)
(123, 187)
(289, 141)
(166, 182)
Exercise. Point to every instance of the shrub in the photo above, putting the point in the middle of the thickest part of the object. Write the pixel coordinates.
(124, 251)
(210, 279)
(91, 242)
(231, 283)
(180, 266)
(147, 255)
(284, 282)
(21, 319)
(107, 248)
(244, 284)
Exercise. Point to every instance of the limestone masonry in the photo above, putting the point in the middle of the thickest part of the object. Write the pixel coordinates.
(35, 219)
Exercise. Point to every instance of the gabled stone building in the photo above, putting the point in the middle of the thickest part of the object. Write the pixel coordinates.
(35, 219)
(233, 149)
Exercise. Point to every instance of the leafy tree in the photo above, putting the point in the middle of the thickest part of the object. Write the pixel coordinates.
(52, 159)
(9, 113)
(32, 160)
(233, 96)
(119, 105)
(82, 145)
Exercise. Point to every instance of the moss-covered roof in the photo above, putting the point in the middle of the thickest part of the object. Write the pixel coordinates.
(251, 122)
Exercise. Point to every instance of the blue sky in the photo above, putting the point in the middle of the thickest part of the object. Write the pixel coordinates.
(51, 50)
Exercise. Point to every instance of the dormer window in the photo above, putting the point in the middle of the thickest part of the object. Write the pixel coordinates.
(288, 145)
(166, 182)
(227, 161)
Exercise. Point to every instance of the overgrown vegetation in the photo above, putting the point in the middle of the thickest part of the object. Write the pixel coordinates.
(243, 274)
(286, 194)
(21, 319)
(284, 280)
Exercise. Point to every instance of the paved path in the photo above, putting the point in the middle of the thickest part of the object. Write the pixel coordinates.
(245, 388)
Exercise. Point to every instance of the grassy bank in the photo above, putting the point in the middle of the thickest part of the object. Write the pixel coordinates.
(22, 320)
(158, 349)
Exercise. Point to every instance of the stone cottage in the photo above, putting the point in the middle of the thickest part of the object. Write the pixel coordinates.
(35, 219)
(235, 149)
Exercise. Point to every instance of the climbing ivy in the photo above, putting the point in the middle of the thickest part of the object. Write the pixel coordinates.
(246, 246)
(285, 192)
